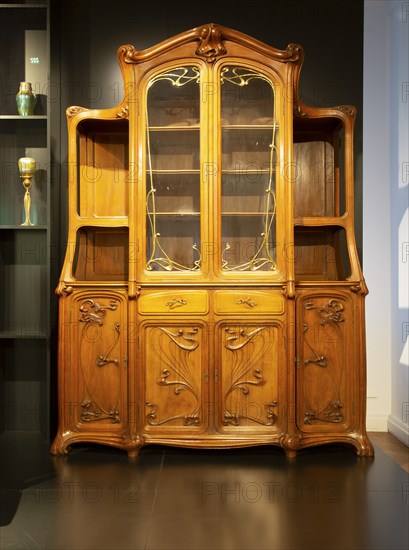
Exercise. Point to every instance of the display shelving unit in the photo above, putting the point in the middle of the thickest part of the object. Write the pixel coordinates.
(24, 251)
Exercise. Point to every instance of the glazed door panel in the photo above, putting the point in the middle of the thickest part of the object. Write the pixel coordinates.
(172, 170)
(325, 362)
(248, 377)
(176, 377)
(249, 138)
(95, 324)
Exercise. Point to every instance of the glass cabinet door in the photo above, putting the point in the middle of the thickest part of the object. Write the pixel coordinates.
(173, 171)
(249, 137)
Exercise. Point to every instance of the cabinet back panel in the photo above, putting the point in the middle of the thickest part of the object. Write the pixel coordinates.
(13, 24)
(321, 254)
(103, 170)
(101, 254)
(314, 179)
(23, 259)
(22, 138)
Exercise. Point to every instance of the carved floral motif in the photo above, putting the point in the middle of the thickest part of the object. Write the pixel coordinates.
(91, 412)
(331, 413)
(74, 110)
(245, 372)
(188, 419)
(347, 109)
(93, 314)
(177, 372)
(355, 288)
(211, 45)
(123, 113)
(331, 313)
(103, 360)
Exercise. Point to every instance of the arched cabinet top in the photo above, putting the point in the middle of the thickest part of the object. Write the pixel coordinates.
(212, 43)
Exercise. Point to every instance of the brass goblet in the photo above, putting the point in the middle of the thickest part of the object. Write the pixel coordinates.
(27, 167)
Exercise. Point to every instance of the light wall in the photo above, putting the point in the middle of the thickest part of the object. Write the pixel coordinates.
(385, 213)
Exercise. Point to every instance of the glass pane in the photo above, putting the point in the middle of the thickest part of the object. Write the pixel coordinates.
(173, 171)
(249, 158)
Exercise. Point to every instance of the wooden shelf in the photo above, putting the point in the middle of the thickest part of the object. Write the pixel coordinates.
(11, 335)
(181, 171)
(19, 117)
(245, 171)
(170, 128)
(44, 6)
(246, 213)
(24, 227)
(250, 127)
(318, 221)
(177, 214)
(104, 223)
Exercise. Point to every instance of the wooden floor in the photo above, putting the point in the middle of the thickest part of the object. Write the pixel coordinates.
(391, 446)
(171, 498)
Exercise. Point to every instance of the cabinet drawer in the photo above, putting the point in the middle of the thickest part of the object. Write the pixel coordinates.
(186, 301)
(233, 301)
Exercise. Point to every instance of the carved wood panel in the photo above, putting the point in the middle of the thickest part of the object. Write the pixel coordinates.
(174, 387)
(324, 362)
(98, 328)
(247, 377)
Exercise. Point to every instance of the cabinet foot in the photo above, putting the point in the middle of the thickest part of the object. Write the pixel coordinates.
(133, 453)
(363, 446)
(290, 443)
(290, 453)
(60, 446)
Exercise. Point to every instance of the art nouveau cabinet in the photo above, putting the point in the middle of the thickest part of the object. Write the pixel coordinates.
(211, 294)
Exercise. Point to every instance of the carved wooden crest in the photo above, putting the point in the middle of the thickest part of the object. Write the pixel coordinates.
(211, 44)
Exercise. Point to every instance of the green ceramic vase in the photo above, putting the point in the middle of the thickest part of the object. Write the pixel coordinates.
(25, 99)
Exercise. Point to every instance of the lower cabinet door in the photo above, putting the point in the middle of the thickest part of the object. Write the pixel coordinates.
(176, 377)
(250, 377)
(95, 366)
(327, 362)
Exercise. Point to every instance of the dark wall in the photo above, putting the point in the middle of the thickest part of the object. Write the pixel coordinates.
(87, 33)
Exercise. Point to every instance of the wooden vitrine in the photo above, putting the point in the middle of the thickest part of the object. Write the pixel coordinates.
(211, 294)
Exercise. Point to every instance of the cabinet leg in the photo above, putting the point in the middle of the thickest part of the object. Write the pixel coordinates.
(290, 443)
(363, 445)
(134, 445)
(133, 453)
(290, 453)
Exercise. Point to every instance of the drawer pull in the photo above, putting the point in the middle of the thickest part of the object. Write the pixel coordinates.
(247, 302)
(176, 302)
